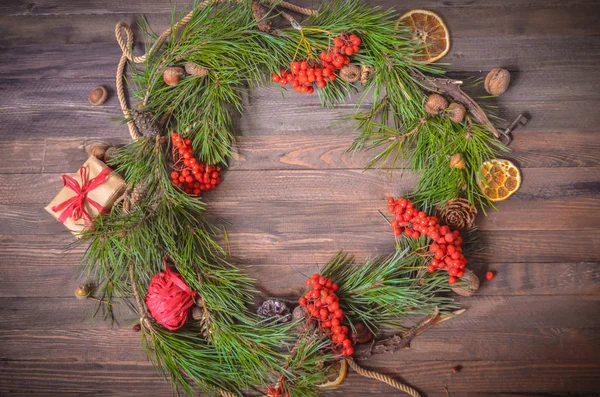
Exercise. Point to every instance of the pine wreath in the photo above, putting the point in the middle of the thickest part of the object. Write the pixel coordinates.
(156, 242)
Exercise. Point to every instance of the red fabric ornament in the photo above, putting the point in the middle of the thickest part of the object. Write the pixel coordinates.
(169, 299)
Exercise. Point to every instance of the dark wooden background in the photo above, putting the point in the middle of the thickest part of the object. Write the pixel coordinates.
(294, 198)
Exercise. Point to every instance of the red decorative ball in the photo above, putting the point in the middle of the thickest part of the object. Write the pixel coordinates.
(169, 299)
(489, 275)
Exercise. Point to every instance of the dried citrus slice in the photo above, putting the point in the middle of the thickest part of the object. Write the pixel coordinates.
(499, 179)
(336, 373)
(430, 31)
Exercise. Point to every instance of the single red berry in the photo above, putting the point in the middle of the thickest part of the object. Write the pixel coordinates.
(489, 275)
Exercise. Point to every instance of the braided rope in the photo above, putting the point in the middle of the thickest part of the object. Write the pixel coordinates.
(382, 378)
(127, 45)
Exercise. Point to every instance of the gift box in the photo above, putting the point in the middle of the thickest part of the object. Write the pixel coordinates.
(89, 192)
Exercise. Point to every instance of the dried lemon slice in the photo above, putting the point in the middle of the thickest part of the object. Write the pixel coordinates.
(429, 30)
(499, 179)
(336, 373)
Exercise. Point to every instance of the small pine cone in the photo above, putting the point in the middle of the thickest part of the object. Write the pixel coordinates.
(195, 70)
(259, 12)
(350, 73)
(458, 214)
(467, 285)
(146, 123)
(276, 310)
(365, 74)
(138, 194)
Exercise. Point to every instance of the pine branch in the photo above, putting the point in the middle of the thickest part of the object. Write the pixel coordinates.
(382, 291)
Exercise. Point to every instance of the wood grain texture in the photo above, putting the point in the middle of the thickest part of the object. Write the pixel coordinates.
(128, 377)
(275, 152)
(294, 197)
(483, 312)
(121, 343)
(59, 280)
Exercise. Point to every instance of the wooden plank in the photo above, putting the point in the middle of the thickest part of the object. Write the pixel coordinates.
(60, 109)
(541, 20)
(62, 7)
(483, 312)
(316, 186)
(121, 344)
(285, 216)
(293, 248)
(328, 151)
(56, 277)
(108, 378)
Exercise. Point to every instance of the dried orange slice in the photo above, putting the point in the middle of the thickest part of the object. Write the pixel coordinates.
(336, 373)
(499, 179)
(430, 31)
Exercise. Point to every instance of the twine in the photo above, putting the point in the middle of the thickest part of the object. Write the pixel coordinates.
(127, 55)
(126, 48)
(382, 378)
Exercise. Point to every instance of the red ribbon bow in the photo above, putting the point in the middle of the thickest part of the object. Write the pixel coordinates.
(75, 206)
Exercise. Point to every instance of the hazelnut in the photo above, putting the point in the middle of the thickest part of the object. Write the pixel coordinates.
(472, 284)
(350, 73)
(172, 75)
(497, 80)
(361, 334)
(197, 313)
(457, 161)
(98, 152)
(98, 96)
(109, 154)
(456, 112)
(435, 104)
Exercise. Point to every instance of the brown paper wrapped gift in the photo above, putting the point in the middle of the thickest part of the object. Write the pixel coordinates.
(92, 190)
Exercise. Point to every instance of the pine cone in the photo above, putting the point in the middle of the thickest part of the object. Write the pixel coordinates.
(275, 309)
(138, 193)
(365, 74)
(458, 214)
(259, 12)
(195, 70)
(146, 123)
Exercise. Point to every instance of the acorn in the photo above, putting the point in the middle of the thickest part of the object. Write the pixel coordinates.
(361, 334)
(98, 96)
(172, 75)
(456, 112)
(457, 161)
(496, 82)
(83, 292)
(435, 104)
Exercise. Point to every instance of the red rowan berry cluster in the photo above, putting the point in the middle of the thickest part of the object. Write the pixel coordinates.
(189, 174)
(303, 74)
(323, 305)
(446, 245)
(277, 392)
